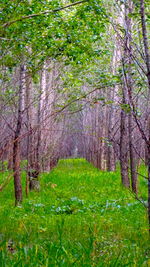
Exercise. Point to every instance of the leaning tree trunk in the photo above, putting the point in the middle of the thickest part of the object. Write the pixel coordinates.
(16, 141)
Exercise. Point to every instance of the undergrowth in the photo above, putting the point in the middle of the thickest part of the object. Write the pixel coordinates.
(81, 217)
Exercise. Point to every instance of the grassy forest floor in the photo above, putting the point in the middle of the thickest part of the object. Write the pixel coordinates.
(81, 217)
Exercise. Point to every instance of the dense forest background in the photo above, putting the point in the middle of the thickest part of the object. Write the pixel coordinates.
(75, 133)
(75, 83)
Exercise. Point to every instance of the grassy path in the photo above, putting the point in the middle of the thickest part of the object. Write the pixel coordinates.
(81, 217)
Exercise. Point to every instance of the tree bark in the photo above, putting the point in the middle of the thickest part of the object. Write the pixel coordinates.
(124, 138)
(133, 167)
(128, 82)
(147, 61)
(30, 160)
(16, 145)
(124, 147)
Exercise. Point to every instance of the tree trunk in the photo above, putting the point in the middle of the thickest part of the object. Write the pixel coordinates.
(124, 148)
(16, 145)
(149, 179)
(110, 159)
(128, 83)
(124, 138)
(10, 155)
(147, 61)
(133, 167)
(30, 160)
(39, 121)
(36, 168)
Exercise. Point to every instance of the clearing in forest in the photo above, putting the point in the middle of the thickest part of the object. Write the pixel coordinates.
(81, 217)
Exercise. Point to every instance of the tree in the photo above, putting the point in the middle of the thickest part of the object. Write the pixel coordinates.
(16, 146)
(147, 62)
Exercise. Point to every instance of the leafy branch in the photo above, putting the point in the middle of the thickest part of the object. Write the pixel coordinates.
(6, 25)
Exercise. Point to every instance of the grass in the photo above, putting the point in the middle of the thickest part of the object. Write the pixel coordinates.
(81, 217)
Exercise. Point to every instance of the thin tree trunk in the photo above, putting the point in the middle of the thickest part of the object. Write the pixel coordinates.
(149, 181)
(10, 155)
(124, 138)
(28, 123)
(133, 167)
(33, 174)
(16, 145)
(124, 148)
(147, 61)
(128, 82)
(111, 164)
(39, 114)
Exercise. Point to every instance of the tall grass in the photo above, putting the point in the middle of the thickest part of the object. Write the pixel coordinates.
(81, 217)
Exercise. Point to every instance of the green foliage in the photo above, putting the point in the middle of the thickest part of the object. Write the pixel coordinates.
(54, 35)
(77, 37)
(81, 217)
(125, 107)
